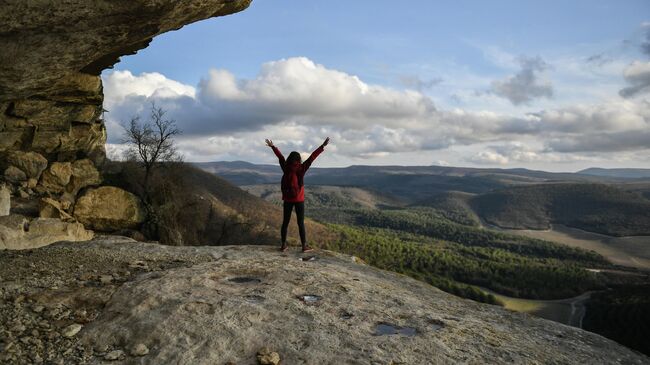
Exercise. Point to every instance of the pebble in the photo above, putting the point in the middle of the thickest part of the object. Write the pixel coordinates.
(267, 357)
(18, 328)
(105, 279)
(139, 350)
(72, 330)
(38, 308)
(114, 355)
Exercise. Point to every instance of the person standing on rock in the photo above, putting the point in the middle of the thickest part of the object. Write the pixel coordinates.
(293, 190)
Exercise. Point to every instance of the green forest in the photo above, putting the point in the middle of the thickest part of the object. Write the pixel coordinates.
(451, 266)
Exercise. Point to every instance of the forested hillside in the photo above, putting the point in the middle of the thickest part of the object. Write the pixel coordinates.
(593, 207)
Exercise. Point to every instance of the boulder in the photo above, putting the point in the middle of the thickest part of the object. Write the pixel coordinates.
(14, 174)
(50, 208)
(84, 174)
(31, 163)
(56, 177)
(5, 200)
(108, 208)
(19, 232)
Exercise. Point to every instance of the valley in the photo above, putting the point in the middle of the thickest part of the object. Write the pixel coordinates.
(469, 232)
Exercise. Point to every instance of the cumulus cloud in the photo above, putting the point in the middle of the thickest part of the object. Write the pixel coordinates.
(602, 142)
(489, 158)
(526, 84)
(637, 75)
(297, 102)
(519, 152)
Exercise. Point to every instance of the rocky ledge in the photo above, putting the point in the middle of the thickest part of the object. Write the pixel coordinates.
(115, 299)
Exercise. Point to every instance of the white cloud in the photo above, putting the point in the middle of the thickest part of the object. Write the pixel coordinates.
(121, 85)
(637, 74)
(489, 158)
(297, 103)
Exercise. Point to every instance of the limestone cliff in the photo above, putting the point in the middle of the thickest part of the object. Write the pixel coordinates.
(52, 53)
(52, 135)
(138, 303)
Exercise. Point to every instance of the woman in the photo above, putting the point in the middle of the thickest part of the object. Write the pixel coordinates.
(293, 189)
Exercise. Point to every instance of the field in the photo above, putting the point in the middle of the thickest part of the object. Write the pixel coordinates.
(631, 251)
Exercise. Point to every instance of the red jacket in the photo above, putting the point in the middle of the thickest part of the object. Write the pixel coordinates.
(299, 168)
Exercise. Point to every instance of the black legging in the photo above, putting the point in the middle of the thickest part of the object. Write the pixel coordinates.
(300, 214)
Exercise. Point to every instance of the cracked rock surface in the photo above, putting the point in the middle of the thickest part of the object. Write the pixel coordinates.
(214, 305)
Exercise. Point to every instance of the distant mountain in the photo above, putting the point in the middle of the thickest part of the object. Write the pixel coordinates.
(508, 198)
(619, 173)
(409, 183)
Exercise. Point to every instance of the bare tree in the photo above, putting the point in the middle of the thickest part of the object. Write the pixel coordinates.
(152, 142)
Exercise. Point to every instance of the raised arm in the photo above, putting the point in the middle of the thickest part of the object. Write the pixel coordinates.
(315, 154)
(277, 153)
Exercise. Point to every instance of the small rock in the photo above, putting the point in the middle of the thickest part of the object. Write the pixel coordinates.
(267, 357)
(72, 330)
(100, 348)
(105, 279)
(14, 174)
(18, 328)
(80, 314)
(23, 194)
(38, 308)
(114, 355)
(139, 350)
(138, 265)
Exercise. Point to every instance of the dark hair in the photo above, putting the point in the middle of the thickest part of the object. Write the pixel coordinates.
(294, 156)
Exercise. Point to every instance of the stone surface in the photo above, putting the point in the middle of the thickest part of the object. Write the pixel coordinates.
(184, 302)
(31, 163)
(18, 232)
(108, 208)
(196, 314)
(5, 200)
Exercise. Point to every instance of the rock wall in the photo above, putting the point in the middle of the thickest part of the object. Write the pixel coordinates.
(52, 135)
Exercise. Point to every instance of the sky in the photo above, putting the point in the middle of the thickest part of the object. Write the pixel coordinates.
(547, 85)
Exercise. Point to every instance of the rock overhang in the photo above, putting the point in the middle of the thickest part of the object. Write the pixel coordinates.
(51, 96)
(48, 47)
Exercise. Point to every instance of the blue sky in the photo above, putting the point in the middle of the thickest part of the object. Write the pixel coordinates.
(480, 67)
